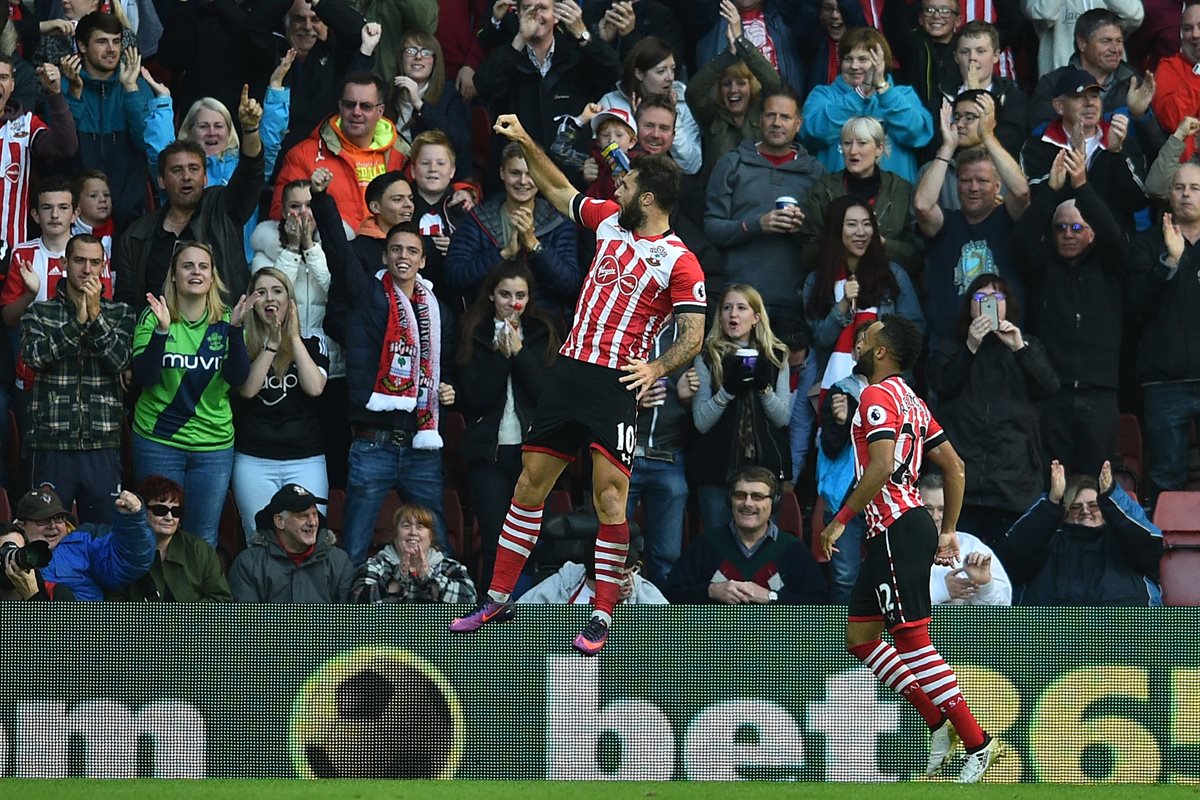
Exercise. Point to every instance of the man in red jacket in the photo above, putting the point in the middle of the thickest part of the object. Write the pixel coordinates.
(1178, 90)
(357, 145)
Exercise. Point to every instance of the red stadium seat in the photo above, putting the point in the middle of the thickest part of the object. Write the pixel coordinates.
(1179, 576)
(1178, 513)
(788, 516)
(6, 513)
(231, 539)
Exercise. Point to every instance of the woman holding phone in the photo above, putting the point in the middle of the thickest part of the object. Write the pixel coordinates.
(989, 380)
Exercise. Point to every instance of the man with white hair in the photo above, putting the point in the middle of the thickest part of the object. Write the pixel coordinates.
(1073, 255)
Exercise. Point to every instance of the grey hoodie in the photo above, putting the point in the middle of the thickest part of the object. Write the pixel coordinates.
(744, 186)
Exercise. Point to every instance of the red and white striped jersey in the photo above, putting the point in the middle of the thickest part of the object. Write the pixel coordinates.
(891, 410)
(985, 11)
(51, 271)
(16, 141)
(633, 285)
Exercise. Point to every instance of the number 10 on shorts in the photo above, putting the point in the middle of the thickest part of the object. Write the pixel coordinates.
(626, 438)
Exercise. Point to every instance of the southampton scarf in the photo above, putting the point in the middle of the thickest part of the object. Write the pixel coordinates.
(410, 362)
(841, 360)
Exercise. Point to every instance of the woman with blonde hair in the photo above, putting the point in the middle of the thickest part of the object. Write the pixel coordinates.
(411, 568)
(862, 147)
(743, 402)
(188, 351)
(723, 97)
(276, 414)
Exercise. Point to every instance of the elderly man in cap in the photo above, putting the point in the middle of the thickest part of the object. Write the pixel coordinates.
(90, 558)
(1080, 126)
(292, 557)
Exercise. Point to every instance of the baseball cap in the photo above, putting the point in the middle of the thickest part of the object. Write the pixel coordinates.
(291, 497)
(40, 505)
(1075, 81)
(619, 114)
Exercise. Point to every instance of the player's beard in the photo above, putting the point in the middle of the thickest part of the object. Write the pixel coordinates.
(864, 364)
(634, 216)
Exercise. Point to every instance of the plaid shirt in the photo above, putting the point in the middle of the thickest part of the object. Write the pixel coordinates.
(76, 397)
(383, 579)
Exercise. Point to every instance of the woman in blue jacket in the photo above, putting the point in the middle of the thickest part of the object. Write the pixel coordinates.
(864, 89)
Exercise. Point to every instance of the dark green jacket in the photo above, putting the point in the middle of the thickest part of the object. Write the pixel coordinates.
(893, 209)
(190, 573)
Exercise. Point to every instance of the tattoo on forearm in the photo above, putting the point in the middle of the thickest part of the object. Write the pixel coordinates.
(686, 345)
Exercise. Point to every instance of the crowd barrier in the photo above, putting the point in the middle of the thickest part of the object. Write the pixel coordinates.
(686, 693)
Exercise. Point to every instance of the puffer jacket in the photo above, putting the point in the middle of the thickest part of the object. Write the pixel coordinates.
(264, 573)
(93, 558)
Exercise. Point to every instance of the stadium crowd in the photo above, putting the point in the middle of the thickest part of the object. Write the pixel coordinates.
(268, 271)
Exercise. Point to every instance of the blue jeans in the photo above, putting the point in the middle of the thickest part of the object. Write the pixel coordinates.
(800, 426)
(1170, 408)
(715, 510)
(376, 467)
(204, 477)
(844, 564)
(663, 490)
(256, 480)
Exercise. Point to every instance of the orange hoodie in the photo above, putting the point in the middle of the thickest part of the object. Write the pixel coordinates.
(353, 167)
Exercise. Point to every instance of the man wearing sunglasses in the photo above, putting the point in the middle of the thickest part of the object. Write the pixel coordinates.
(751, 560)
(90, 558)
(357, 144)
(1073, 254)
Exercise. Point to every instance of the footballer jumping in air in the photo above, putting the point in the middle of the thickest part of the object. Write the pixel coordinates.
(640, 275)
(892, 432)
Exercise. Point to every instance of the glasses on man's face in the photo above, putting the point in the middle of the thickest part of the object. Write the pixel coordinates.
(757, 497)
(939, 12)
(1075, 227)
(418, 52)
(1079, 508)
(966, 117)
(362, 105)
(979, 296)
(163, 510)
(57, 519)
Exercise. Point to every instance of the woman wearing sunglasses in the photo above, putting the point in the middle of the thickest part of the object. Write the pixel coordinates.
(185, 569)
(989, 381)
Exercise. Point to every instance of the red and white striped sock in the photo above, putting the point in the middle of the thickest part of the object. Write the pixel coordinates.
(612, 548)
(518, 535)
(938, 682)
(882, 659)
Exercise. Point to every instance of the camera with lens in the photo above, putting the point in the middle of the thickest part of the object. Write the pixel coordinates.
(34, 555)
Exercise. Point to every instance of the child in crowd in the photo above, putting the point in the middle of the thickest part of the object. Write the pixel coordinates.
(93, 207)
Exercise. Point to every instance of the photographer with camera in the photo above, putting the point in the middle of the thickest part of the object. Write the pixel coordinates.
(19, 565)
(91, 558)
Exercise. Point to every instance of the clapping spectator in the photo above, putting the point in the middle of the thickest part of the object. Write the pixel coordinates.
(1084, 544)
(276, 411)
(506, 343)
(517, 224)
(724, 95)
(411, 568)
(188, 352)
(575, 584)
(864, 89)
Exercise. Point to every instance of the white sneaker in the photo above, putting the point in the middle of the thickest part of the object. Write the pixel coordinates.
(978, 762)
(942, 743)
